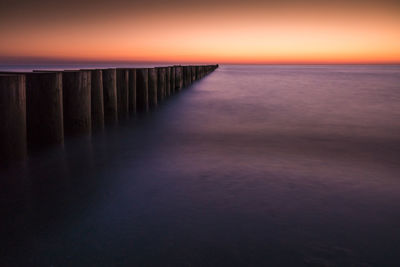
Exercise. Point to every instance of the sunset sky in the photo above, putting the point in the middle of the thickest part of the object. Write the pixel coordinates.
(219, 31)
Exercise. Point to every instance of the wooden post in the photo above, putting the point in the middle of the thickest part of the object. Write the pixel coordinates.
(12, 117)
(190, 75)
(176, 88)
(123, 93)
(172, 89)
(193, 73)
(44, 109)
(197, 72)
(161, 84)
(110, 96)
(152, 87)
(168, 81)
(97, 104)
(142, 89)
(132, 91)
(185, 74)
(77, 102)
(179, 78)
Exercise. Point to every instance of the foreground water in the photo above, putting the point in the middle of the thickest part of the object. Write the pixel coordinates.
(251, 166)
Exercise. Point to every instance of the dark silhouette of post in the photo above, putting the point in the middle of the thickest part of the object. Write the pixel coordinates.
(110, 96)
(172, 80)
(197, 72)
(181, 78)
(123, 93)
(176, 88)
(178, 78)
(167, 81)
(132, 91)
(161, 84)
(97, 94)
(193, 73)
(189, 75)
(13, 139)
(152, 87)
(185, 76)
(44, 109)
(142, 89)
(77, 102)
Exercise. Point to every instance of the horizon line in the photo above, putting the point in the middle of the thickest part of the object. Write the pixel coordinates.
(27, 60)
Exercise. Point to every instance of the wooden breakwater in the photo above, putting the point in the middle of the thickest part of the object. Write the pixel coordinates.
(41, 108)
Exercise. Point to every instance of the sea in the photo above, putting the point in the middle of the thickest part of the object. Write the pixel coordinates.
(253, 165)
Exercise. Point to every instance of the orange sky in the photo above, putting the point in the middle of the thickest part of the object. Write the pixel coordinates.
(211, 31)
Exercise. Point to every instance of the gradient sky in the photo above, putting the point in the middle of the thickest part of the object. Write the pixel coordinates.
(218, 31)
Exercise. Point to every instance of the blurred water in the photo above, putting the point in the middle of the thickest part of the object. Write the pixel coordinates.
(251, 166)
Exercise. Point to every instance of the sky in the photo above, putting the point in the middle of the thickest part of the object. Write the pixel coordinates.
(209, 31)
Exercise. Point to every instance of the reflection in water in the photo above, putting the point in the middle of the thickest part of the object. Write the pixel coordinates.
(253, 165)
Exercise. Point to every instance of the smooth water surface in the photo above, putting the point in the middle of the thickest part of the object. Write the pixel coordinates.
(251, 166)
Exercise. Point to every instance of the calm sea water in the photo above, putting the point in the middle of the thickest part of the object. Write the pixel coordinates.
(251, 166)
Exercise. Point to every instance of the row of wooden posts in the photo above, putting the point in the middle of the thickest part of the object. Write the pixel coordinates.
(39, 108)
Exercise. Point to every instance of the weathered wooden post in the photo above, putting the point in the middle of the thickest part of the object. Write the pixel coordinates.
(189, 75)
(77, 102)
(13, 140)
(160, 84)
(123, 93)
(193, 73)
(152, 87)
(189, 78)
(185, 75)
(168, 81)
(176, 88)
(179, 78)
(142, 89)
(172, 89)
(132, 91)
(182, 77)
(110, 96)
(97, 95)
(44, 109)
(197, 72)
